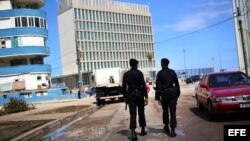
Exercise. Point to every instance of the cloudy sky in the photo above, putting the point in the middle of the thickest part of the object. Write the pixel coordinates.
(177, 27)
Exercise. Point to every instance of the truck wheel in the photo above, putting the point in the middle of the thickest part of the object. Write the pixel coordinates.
(98, 102)
(121, 99)
(103, 102)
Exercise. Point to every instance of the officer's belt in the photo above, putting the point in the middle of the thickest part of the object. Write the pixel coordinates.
(167, 90)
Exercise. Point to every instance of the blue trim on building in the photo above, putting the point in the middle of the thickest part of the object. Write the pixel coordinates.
(15, 70)
(23, 51)
(32, 96)
(22, 12)
(25, 31)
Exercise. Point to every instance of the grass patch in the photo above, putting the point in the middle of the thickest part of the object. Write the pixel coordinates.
(11, 129)
(66, 109)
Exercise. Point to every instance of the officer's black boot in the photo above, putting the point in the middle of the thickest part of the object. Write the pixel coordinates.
(172, 133)
(143, 132)
(166, 129)
(133, 135)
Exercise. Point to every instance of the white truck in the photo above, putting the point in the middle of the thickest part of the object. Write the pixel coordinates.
(108, 82)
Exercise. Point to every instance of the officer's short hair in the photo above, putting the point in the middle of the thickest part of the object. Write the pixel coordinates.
(165, 61)
(133, 62)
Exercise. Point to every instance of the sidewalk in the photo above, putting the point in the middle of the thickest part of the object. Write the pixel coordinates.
(56, 119)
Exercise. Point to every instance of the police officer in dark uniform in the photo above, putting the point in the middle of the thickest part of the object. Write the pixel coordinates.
(135, 95)
(167, 93)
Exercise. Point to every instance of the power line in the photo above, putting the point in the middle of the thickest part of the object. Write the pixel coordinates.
(59, 57)
(210, 26)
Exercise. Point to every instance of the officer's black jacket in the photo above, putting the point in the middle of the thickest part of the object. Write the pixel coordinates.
(166, 78)
(134, 79)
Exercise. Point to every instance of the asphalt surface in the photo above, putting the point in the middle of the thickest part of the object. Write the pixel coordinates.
(58, 120)
(111, 122)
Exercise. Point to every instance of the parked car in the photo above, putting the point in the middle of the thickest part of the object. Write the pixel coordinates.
(91, 91)
(194, 78)
(224, 92)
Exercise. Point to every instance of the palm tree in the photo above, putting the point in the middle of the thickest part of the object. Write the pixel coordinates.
(150, 57)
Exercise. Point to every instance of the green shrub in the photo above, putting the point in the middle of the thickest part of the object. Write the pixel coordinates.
(2, 112)
(16, 105)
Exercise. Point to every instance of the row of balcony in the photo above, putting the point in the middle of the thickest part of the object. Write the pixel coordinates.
(23, 31)
(25, 69)
(22, 13)
(24, 51)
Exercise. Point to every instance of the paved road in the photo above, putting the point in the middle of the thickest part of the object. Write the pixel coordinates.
(111, 123)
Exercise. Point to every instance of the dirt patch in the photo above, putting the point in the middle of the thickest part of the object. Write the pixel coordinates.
(11, 129)
(66, 109)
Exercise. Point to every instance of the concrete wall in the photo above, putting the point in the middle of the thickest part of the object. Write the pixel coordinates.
(6, 23)
(242, 36)
(67, 42)
(5, 4)
(31, 41)
(38, 96)
(30, 80)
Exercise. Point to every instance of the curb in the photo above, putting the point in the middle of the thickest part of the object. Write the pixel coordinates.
(39, 132)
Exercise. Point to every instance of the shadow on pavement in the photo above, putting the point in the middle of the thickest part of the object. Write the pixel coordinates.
(124, 133)
(155, 130)
(111, 102)
(221, 118)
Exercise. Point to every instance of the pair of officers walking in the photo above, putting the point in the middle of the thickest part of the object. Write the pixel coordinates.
(136, 96)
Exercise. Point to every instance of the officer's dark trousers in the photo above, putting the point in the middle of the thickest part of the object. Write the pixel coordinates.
(134, 104)
(169, 107)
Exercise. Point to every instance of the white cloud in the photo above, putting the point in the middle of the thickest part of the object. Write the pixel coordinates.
(205, 12)
(194, 21)
(213, 3)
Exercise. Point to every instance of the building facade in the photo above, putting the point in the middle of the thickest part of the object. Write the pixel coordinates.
(104, 34)
(23, 32)
(242, 30)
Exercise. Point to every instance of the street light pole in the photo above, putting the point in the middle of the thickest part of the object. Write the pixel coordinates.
(78, 54)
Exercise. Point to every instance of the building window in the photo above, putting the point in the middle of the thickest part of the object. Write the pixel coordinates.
(36, 61)
(17, 62)
(18, 22)
(37, 22)
(31, 22)
(41, 23)
(3, 44)
(39, 78)
(24, 21)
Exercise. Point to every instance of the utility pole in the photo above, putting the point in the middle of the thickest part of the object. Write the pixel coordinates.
(185, 63)
(242, 41)
(78, 54)
(220, 61)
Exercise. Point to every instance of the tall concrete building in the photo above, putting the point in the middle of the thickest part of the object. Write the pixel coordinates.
(23, 32)
(242, 30)
(105, 34)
